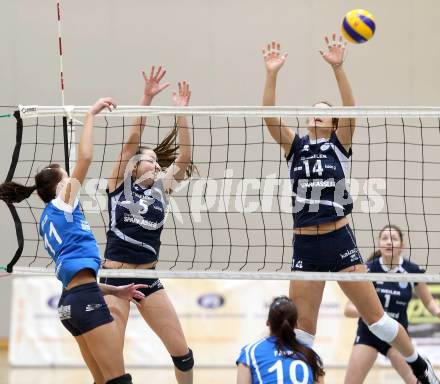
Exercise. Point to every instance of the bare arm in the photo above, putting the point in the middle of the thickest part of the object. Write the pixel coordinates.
(243, 374)
(152, 87)
(282, 134)
(427, 299)
(335, 57)
(70, 189)
(128, 292)
(350, 310)
(176, 171)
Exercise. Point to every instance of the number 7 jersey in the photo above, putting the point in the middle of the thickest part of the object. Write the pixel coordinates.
(68, 239)
(318, 170)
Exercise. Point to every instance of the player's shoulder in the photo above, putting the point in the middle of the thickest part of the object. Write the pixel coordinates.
(261, 342)
(299, 144)
(58, 204)
(249, 351)
(411, 267)
(261, 347)
(374, 265)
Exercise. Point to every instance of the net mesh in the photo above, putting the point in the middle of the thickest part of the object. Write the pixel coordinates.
(235, 214)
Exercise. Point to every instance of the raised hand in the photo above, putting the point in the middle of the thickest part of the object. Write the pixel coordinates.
(181, 99)
(104, 102)
(273, 58)
(152, 83)
(336, 51)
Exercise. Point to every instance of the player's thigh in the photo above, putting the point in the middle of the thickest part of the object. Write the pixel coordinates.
(120, 310)
(361, 361)
(159, 313)
(363, 295)
(90, 360)
(106, 349)
(307, 296)
(401, 366)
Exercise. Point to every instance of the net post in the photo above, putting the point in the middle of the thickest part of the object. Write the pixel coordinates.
(66, 145)
(11, 207)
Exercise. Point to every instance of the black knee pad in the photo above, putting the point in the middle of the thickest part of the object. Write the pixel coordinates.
(184, 363)
(124, 379)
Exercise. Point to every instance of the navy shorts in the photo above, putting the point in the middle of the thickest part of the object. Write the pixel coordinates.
(83, 308)
(330, 252)
(154, 285)
(366, 337)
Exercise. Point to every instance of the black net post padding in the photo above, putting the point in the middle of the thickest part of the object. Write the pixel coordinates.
(16, 218)
(66, 145)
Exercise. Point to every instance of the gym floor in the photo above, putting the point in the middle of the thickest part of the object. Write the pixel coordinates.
(10, 375)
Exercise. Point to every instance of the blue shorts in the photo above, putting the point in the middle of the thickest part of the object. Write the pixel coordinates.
(154, 285)
(366, 337)
(330, 252)
(83, 308)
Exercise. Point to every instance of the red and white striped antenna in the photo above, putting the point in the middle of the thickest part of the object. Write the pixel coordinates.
(60, 45)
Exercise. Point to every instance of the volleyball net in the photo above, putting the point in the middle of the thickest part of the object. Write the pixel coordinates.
(232, 218)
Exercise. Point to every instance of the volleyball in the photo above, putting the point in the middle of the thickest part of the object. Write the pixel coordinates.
(358, 26)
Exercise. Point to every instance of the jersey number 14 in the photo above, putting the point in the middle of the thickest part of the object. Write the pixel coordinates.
(317, 167)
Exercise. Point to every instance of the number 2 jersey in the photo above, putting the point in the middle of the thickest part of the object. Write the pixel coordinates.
(394, 296)
(68, 239)
(269, 366)
(318, 170)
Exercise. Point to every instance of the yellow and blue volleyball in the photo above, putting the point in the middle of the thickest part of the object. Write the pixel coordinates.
(358, 26)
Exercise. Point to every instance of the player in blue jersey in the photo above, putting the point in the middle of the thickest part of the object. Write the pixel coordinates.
(138, 188)
(319, 164)
(71, 244)
(279, 358)
(395, 298)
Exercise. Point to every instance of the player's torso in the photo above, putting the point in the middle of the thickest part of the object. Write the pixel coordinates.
(68, 239)
(394, 296)
(62, 231)
(138, 210)
(137, 216)
(318, 172)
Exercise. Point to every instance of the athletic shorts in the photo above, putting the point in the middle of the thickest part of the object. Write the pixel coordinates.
(83, 308)
(330, 252)
(366, 337)
(154, 285)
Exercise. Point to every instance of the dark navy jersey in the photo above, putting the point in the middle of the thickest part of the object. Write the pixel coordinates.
(318, 170)
(68, 239)
(137, 215)
(394, 296)
(269, 366)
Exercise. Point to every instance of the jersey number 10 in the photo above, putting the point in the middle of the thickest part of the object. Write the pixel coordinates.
(278, 368)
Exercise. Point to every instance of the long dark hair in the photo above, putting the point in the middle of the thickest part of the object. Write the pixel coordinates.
(46, 182)
(167, 151)
(282, 319)
(377, 254)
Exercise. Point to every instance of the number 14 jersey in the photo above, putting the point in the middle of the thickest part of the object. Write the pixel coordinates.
(318, 170)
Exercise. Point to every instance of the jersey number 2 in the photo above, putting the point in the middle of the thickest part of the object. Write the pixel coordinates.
(278, 368)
